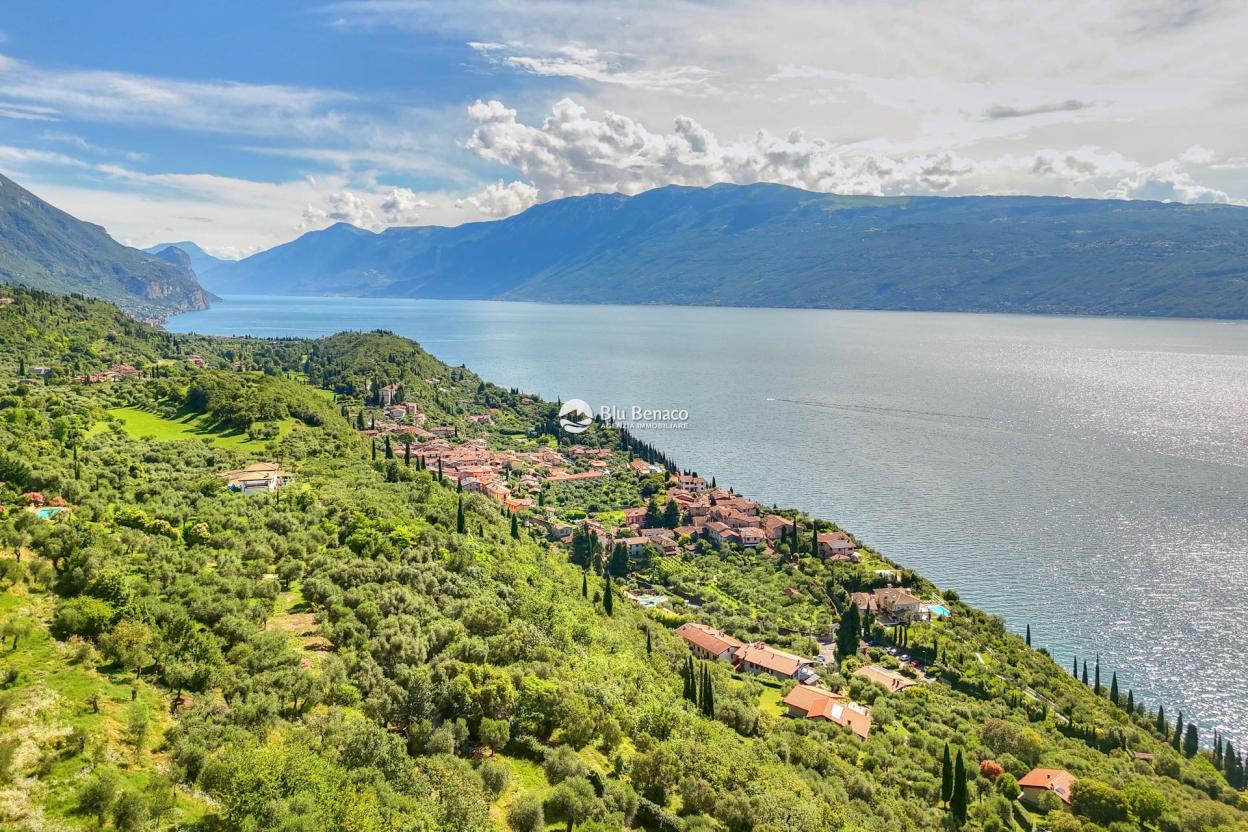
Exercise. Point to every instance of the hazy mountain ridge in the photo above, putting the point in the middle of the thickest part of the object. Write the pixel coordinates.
(772, 245)
(46, 248)
(201, 262)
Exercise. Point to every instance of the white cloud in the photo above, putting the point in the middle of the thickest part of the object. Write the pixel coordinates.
(571, 152)
(228, 107)
(502, 200)
(585, 63)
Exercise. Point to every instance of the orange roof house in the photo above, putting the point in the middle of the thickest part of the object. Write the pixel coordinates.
(763, 658)
(814, 702)
(708, 642)
(1040, 780)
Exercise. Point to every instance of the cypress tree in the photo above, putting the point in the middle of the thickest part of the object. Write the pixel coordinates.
(1163, 727)
(708, 698)
(608, 592)
(1131, 703)
(847, 632)
(946, 777)
(1113, 688)
(1028, 635)
(459, 484)
(1176, 740)
(958, 802)
(459, 516)
(1085, 671)
(1074, 666)
(374, 449)
(1191, 742)
(584, 583)
(407, 453)
(440, 471)
(515, 527)
(649, 646)
(1096, 688)
(389, 449)
(1229, 759)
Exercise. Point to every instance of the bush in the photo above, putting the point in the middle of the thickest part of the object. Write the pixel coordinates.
(562, 763)
(82, 616)
(495, 774)
(1098, 802)
(526, 815)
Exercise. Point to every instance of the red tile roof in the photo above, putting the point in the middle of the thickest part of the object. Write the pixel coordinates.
(708, 638)
(1055, 780)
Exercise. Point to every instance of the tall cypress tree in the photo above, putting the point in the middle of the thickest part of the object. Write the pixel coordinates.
(1191, 742)
(407, 452)
(389, 449)
(649, 646)
(708, 694)
(515, 527)
(1028, 635)
(374, 449)
(1096, 688)
(1177, 739)
(1113, 688)
(847, 632)
(608, 593)
(584, 583)
(1085, 671)
(1131, 703)
(958, 802)
(1163, 727)
(1074, 666)
(946, 777)
(459, 515)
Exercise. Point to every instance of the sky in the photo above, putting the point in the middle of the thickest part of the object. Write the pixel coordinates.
(240, 126)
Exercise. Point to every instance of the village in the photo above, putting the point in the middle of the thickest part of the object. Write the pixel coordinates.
(688, 512)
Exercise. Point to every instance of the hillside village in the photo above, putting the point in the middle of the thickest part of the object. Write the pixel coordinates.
(277, 552)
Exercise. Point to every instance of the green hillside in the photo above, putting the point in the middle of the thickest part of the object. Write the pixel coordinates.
(369, 648)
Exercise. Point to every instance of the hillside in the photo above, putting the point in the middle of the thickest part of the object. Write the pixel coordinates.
(771, 245)
(46, 248)
(372, 646)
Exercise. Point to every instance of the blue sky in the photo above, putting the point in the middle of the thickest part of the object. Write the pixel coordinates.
(241, 126)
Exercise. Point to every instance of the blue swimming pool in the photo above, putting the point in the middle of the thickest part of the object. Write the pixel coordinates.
(48, 513)
(939, 610)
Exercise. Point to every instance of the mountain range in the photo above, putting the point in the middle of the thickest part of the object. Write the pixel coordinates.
(773, 245)
(46, 248)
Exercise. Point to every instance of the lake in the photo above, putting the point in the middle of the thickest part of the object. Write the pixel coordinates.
(1087, 477)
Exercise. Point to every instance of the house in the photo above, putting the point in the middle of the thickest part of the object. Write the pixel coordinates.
(1040, 780)
(197, 360)
(813, 702)
(636, 546)
(634, 516)
(691, 482)
(759, 658)
(123, 371)
(388, 394)
(642, 468)
(720, 534)
(891, 604)
(443, 430)
(750, 536)
(890, 679)
(707, 642)
(259, 476)
(775, 526)
(835, 544)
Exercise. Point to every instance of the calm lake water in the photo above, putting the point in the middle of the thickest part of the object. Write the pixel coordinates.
(1088, 477)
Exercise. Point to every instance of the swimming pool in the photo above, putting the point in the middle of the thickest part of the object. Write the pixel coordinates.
(48, 513)
(939, 610)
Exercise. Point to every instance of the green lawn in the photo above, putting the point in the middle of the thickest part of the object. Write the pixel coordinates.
(186, 426)
(770, 702)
